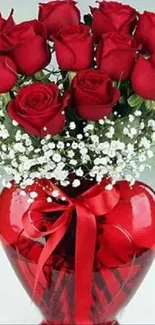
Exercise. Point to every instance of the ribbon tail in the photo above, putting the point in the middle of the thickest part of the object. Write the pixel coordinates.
(84, 261)
(49, 247)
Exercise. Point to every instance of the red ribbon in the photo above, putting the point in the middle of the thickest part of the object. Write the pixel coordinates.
(95, 202)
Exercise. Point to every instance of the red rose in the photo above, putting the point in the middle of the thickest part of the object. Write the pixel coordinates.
(58, 14)
(113, 16)
(8, 74)
(38, 108)
(146, 30)
(74, 48)
(116, 55)
(143, 77)
(93, 94)
(30, 51)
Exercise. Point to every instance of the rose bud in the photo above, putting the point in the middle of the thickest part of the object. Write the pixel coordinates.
(93, 94)
(5, 25)
(145, 31)
(113, 16)
(31, 52)
(39, 109)
(74, 48)
(58, 14)
(116, 55)
(8, 74)
(143, 77)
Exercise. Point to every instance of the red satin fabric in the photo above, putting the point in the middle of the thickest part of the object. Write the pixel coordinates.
(95, 202)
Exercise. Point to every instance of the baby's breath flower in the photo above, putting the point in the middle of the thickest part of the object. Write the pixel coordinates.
(56, 157)
(150, 153)
(137, 113)
(60, 145)
(72, 125)
(79, 136)
(70, 153)
(55, 193)
(23, 193)
(131, 118)
(74, 145)
(79, 172)
(109, 187)
(64, 183)
(73, 162)
(33, 195)
(49, 199)
(30, 201)
(110, 132)
(76, 183)
(14, 123)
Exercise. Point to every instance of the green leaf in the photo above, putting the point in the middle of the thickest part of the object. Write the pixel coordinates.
(5, 98)
(42, 77)
(122, 100)
(88, 19)
(135, 100)
(9, 126)
(150, 104)
(39, 75)
(57, 137)
(12, 129)
(62, 81)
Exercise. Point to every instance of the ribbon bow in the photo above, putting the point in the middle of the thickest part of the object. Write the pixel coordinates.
(95, 202)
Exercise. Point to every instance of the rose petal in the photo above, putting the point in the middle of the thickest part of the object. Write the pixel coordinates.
(33, 63)
(55, 125)
(70, 56)
(56, 14)
(118, 64)
(143, 77)
(145, 31)
(101, 24)
(8, 74)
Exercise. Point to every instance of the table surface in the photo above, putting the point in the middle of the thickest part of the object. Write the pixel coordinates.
(15, 306)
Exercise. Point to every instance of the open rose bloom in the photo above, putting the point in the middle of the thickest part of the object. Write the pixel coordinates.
(77, 127)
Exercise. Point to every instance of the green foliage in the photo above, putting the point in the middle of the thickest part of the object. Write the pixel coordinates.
(9, 126)
(4, 98)
(12, 129)
(42, 77)
(88, 19)
(150, 104)
(135, 101)
(122, 123)
(64, 80)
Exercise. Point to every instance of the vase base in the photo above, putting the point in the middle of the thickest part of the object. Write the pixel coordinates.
(106, 323)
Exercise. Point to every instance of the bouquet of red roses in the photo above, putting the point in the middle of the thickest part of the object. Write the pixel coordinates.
(77, 127)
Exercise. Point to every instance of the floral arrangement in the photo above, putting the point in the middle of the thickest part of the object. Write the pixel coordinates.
(77, 95)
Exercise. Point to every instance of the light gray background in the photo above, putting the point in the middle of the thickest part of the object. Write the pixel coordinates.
(15, 306)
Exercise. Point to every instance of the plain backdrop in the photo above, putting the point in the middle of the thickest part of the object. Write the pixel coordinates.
(15, 306)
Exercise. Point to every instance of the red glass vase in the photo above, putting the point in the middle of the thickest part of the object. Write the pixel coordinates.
(124, 250)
